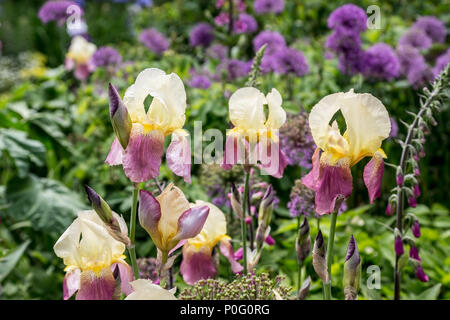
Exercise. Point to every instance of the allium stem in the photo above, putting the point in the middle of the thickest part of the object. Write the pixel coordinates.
(330, 245)
(243, 224)
(132, 248)
(400, 193)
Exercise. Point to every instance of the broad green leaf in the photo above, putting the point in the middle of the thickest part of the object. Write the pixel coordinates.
(8, 262)
(431, 293)
(48, 204)
(22, 150)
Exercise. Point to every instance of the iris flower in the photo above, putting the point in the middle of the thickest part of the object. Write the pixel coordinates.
(169, 219)
(367, 125)
(79, 57)
(91, 255)
(144, 289)
(139, 145)
(197, 261)
(254, 139)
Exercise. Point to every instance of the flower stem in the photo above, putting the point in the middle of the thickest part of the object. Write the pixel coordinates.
(330, 245)
(299, 263)
(243, 224)
(132, 248)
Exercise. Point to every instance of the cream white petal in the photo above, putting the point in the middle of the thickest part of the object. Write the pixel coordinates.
(246, 108)
(134, 105)
(367, 121)
(145, 290)
(320, 116)
(277, 115)
(81, 50)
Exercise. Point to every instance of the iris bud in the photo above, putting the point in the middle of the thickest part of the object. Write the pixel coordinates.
(303, 243)
(99, 205)
(120, 118)
(319, 259)
(352, 271)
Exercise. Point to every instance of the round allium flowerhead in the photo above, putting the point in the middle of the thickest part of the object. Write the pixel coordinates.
(289, 60)
(381, 62)
(301, 200)
(217, 52)
(201, 35)
(154, 40)
(416, 38)
(106, 56)
(348, 18)
(441, 62)
(274, 40)
(245, 24)
(410, 58)
(234, 69)
(433, 27)
(199, 80)
(296, 140)
(56, 11)
(268, 6)
(348, 49)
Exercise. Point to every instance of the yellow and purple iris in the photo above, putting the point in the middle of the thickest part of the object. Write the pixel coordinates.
(139, 143)
(367, 125)
(79, 57)
(197, 261)
(169, 219)
(91, 255)
(254, 139)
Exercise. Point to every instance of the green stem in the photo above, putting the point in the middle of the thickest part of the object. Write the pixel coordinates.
(132, 248)
(299, 263)
(243, 224)
(330, 245)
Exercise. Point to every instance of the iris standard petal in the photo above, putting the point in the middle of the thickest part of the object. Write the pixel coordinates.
(246, 109)
(277, 115)
(191, 222)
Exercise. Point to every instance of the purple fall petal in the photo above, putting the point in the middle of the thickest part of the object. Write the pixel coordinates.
(197, 265)
(273, 160)
(142, 157)
(71, 283)
(115, 154)
(96, 286)
(227, 250)
(178, 157)
(191, 222)
(126, 276)
(149, 214)
(373, 173)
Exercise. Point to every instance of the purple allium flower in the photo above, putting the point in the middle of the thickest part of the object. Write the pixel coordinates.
(245, 24)
(348, 49)
(234, 69)
(433, 27)
(199, 80)
(296, 140)
(348, 19)
(301, 200)
(106, 56)
(416, 229)
(394, 128)
(288, 60)
(154, 40)
(416, 38)
(201, 35)
(268, 6)
(414, 252)
(410, 58)
(441, 62)
(420, 77)
(56, 11)
(398, 246)
(420, 274)
(217, 52)
(381, 62)
(274, 40)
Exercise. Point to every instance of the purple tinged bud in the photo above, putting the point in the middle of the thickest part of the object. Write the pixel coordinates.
(422, 153)
(352, 270)
(399, 180)
(416, 190)
(416, 229)
(417, 171)
(191, 222)
(99, 205)
(412, 201)
(399, 246)
(235, 200)
(414, 253)
(149, 215)
(390, 209)
(268, 197)
(319, 259)
(120, 118)
(248, 220)
(420, 274)
(416, 157)
(303, 243)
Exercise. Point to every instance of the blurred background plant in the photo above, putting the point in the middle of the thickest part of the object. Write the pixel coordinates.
(55, 131)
